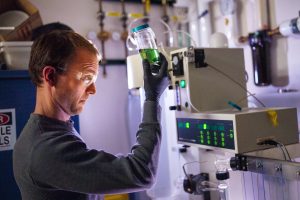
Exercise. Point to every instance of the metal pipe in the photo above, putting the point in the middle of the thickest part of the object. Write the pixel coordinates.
(124, 18)
(165, 18)
(102, 35)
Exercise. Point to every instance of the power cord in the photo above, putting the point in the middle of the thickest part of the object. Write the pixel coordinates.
(279, 145)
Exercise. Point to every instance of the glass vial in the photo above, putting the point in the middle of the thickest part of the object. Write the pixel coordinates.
(145, 40)
(260, 43)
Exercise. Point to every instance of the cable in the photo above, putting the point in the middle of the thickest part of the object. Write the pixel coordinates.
(287, 152)
(245, 89)
(279, 145)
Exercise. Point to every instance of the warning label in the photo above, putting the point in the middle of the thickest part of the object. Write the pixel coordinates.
(7, 129)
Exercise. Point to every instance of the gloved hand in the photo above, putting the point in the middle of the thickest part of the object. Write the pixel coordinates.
(154, 85)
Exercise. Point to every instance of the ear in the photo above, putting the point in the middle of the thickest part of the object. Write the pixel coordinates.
(49, 75)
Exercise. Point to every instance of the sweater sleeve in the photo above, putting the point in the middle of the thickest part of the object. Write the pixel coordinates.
(63, 161)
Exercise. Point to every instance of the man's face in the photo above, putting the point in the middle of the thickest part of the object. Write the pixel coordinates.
(77, 83)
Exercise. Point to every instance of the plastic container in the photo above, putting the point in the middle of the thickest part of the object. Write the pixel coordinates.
(145, 41)
(16, 54)
(23, 31)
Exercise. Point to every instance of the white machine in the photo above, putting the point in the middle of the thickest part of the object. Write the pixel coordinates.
(238, 131)
(211, 104)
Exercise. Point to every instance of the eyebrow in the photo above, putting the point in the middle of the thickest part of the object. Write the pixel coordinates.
(88, 67)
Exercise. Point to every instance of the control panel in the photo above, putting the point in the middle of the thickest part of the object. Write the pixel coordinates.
(237, 131)
(215, 133)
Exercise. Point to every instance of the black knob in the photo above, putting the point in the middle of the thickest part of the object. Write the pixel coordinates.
(183, 149)
(224, 175)
(173, 107)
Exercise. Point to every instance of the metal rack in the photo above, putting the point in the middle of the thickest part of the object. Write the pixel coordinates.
(269, 179)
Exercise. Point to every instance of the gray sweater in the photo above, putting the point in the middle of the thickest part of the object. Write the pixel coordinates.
(52, 163)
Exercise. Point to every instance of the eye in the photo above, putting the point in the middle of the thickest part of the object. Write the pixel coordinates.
(87, 78)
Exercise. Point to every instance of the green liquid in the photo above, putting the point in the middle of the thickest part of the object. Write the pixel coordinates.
(152, 55)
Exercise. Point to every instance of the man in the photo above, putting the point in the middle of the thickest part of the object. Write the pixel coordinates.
(50, 160)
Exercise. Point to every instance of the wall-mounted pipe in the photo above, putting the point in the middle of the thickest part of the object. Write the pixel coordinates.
(103, 36)
(124, 18)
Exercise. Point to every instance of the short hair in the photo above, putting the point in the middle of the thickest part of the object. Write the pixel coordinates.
(56, 49)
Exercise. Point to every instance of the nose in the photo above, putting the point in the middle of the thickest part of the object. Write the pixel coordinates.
(91, 89)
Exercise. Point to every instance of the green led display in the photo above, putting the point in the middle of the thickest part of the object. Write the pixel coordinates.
(187, 125)
(215, 133)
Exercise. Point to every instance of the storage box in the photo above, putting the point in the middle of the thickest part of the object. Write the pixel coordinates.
(24, 30)
(16, 54)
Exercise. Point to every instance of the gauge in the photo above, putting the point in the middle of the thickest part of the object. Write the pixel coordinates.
(227, 7)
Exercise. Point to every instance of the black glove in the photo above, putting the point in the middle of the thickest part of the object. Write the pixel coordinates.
(154, 85)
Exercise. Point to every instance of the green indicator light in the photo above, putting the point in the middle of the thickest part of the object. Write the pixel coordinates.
(222, 139)
(204, 126)
(187, 125)
(215, 133)
(215, 143)
(208, 133)
(201, 141)
(231, 135)
(215, 138)
(201, 136)
(223, 144)
(208, 137)
(182, 83)
(201, 132)
(208, 141)
(222, 134)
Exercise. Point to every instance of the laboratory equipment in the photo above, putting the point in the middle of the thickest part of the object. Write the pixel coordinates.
(145, 40)
(201, 78)
(290, 27)
(237, 131)
(274, 179)
(211, 104)
(260, 43)
(210, 110)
